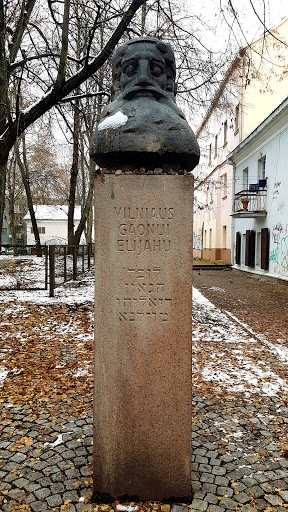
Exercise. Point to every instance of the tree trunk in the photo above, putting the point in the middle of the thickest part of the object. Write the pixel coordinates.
(25, 179)
(88, 204)
(2, 196)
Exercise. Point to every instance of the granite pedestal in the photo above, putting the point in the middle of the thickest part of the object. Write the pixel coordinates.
(143, 304)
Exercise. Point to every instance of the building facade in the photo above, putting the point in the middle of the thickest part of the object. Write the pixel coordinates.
(52, 222)
(259, 198)
(254, 85)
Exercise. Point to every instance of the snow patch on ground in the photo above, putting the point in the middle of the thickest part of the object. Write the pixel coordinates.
(3, 375)
(235, 365)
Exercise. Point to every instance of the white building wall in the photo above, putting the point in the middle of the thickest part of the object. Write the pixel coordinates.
(276, 220)
(53, 229)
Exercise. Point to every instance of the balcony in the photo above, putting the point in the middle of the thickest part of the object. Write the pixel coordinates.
(252, 202)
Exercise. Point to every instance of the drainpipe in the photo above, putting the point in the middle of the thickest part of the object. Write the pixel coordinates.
(230, 162)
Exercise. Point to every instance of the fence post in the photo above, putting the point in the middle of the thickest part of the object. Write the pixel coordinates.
(46, 249)
(65, 263)
(75, 250)
(51, 270)
(88, 255)
(83, 258)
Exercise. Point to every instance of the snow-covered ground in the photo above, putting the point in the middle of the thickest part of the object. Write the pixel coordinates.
(225, 352)
(29, 272)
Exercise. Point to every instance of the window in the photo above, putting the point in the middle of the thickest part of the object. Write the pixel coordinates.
(225, 133)
(41, 230)
(210, 238)
(237, 109)
(262, 168)
(224, 237)
(224, 185)
(210, 154)
(245, 179)
(216, 146)
(4, 231)
(205, 239)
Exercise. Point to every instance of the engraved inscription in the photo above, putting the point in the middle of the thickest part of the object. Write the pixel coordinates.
(143, 229)
(144, 296)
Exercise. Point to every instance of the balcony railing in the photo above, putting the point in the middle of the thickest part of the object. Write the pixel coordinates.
(250, 203)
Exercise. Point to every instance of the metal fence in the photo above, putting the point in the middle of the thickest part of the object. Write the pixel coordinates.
(66, 262)
(61, 263)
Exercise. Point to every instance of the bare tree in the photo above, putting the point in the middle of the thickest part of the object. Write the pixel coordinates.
(20, 32)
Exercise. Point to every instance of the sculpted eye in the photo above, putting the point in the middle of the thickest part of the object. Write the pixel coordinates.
(130, 69)
(156, 69)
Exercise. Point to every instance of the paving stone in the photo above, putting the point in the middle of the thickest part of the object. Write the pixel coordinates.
(32, 486)
(219, 471)
(281, 483)
(18, 457)
(16, 494)
(38, 506)
(225, 491)
(260, 477)
(35, 475)
(211, 498)
(42, 493)
(228, 503)
(273, 499)
(208, 487)
(199, 505)
(221, 480)
(256, 491)
(216, 508)
(86, 471)
(21, 483)
(207, 477)
(70, 495)
(4, 486)
(201, 460)
(242, 497)
(249, 481)
(215, 462)
(249, 508)
(80, 461)
(56, 488)
(11, 466)
(54, 501)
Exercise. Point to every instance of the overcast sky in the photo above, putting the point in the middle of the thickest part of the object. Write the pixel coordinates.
(209, 10)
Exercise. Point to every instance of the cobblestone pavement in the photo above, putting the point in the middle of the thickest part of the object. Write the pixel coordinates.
(237, 462)
(240, 450)
(44, 466)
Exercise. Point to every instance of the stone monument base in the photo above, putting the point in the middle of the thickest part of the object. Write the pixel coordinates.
(143, 345)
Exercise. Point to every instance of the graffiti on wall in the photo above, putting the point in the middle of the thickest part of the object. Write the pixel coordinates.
(276, 188)
(279, 250)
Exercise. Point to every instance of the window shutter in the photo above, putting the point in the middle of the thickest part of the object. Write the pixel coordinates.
(252, 248)
(238, 248)
(264, 248)
(247, 249)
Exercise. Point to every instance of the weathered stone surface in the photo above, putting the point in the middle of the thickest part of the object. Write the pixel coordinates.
(143, 265)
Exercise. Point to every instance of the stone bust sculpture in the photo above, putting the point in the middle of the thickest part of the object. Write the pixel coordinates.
(142, 126)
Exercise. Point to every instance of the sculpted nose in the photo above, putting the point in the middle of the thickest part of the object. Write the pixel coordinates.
(143, 74)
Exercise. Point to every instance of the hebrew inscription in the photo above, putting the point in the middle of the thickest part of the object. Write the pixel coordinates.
(144, 296)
